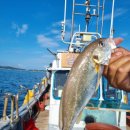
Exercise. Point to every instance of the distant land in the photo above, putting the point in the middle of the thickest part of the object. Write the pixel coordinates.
(10, 67)
(14, 68)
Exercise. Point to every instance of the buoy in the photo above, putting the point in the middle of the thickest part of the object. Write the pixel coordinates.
(28, 96)
(100, 126)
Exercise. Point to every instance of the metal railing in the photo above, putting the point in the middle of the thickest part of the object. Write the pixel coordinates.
(14, 105)
(37, 90)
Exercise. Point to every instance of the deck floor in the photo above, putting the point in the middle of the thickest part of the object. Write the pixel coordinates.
(127, 128)
(42, 120)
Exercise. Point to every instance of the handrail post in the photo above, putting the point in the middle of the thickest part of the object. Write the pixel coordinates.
(17, 105)
(39, 85)
(12, 108)
(5, 108)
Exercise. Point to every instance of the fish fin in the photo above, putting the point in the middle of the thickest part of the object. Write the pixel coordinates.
(97, 85)
(100, 70)
(97, 67)
(79, 118)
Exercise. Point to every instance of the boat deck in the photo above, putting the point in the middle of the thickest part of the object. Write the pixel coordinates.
(127, 128)
(42, 120)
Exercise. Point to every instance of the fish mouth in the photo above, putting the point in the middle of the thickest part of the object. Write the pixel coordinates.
(100, 60)
(96, 59)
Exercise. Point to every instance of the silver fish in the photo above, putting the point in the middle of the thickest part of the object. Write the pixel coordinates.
(82, 81)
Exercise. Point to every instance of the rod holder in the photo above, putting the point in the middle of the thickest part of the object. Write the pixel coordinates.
(12, 108)
(5, 108)
(17, 105)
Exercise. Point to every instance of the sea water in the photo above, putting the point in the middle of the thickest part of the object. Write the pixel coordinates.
(10, 81)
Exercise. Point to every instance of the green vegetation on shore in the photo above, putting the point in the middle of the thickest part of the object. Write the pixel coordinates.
(10, 67)
(14, 68)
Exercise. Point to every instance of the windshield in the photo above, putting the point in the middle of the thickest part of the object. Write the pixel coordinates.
(60, 78)
(110, 93)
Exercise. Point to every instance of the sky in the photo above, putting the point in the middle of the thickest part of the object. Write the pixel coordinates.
(29, 27)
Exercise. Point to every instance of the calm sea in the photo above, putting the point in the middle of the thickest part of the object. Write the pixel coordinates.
(10, 80)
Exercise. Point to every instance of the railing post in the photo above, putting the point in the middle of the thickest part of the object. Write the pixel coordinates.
(17, 105)
(5, 107)
(12, 108)
(28, 97)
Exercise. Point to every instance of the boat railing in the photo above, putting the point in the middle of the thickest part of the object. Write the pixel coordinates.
(82, 39)
(91, 10)
(14, 105)
(17, 111)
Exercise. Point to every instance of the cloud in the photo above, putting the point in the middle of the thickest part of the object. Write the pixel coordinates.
(55, 31)
(68, 23)
(19, 65)
(20, 29)
(53, 37)
(56, 24)
(118, 12)
(36, 62)
(46, 41)
(124, 34)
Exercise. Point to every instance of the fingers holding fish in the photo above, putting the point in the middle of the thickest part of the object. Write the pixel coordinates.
(114, 68)
(117, 72)
(118, 40)
(118, 52)
(114, 57)
(122, 77)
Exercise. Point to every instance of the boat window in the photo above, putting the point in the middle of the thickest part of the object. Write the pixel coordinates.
(60, 78)
(110, 93)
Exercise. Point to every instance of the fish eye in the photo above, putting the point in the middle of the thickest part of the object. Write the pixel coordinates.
(101, 44)
(95, 57)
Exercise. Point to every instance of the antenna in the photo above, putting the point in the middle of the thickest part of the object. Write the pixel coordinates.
(92, 10)
(112, 18)
(72, 29)
(65, 14)
(102, 17)
(63, 23)
(53, 53)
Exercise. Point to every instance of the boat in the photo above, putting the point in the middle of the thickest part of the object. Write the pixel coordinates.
(108, 107)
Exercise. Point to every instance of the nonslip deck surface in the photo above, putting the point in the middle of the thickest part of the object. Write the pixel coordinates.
(42, 120)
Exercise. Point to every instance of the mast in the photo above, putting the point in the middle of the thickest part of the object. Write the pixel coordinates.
(112, 18)
(72, 29)
(83, 37)
(63, 23)
(98, 10)
(103, 5)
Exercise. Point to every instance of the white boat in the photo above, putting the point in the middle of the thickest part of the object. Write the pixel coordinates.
(108, 105)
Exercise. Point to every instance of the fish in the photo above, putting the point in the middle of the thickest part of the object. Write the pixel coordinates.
(83, 80)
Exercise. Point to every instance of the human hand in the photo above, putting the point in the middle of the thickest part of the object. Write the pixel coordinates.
(118, 70)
